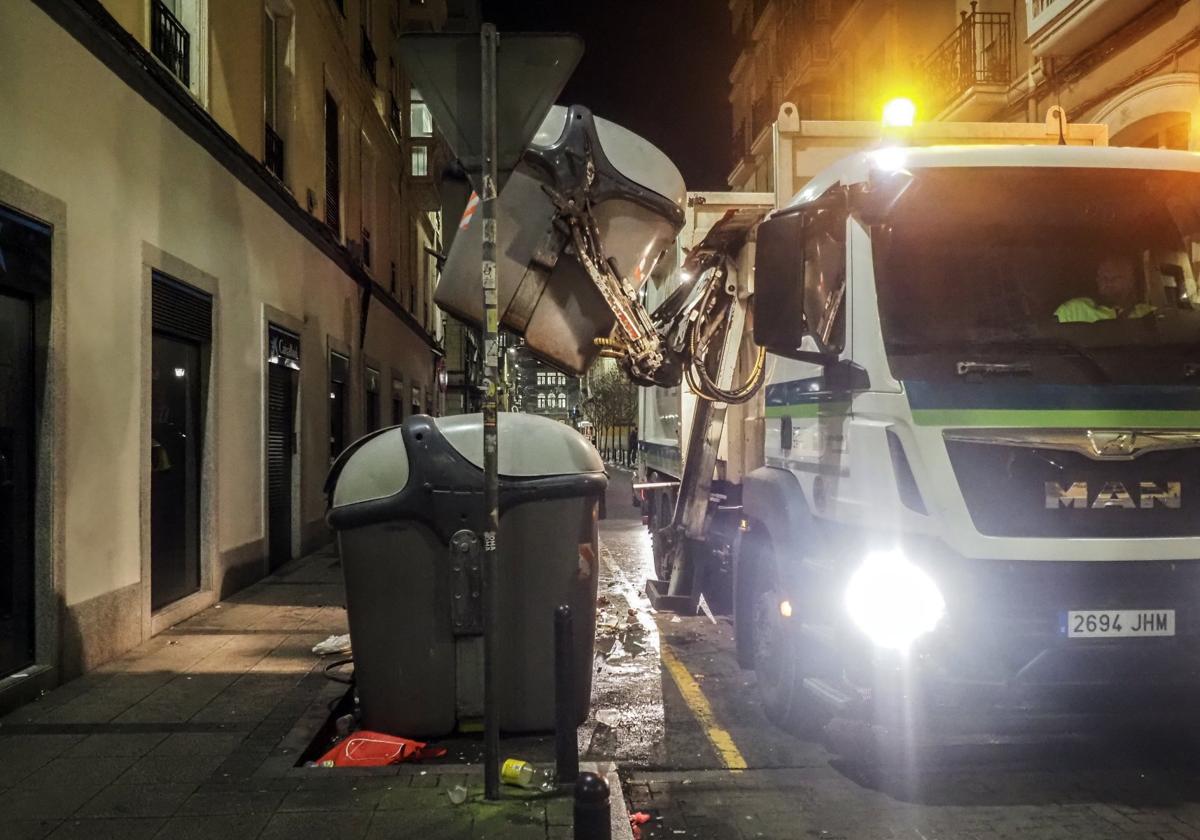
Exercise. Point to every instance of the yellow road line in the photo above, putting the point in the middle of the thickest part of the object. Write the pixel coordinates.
(727, 751)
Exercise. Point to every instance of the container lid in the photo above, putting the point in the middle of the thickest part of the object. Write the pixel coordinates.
(530, 445)
(377, 468)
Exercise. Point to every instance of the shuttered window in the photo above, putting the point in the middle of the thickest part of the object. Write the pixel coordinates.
(333, 190)
(180, 310)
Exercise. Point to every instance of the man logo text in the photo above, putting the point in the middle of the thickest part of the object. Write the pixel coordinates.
(1114, 494)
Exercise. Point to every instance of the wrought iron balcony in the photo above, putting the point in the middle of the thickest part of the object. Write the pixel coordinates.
(170, 42)
(369, 58)
(978, 52)
(273, 153)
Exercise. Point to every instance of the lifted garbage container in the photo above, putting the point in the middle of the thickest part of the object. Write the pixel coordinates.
(406, 504)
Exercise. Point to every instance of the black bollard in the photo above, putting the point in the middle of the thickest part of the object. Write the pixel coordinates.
(592, 819)
(566, 741)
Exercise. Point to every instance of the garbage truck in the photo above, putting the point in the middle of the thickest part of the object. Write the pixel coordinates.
(938, 418)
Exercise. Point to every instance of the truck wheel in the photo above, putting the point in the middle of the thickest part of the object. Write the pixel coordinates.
(750, 578)
(780, 669)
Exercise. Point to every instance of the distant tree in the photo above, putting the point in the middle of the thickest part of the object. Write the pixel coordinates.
(611, 404)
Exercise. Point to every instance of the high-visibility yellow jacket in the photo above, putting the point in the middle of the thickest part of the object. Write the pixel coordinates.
(1085, 310)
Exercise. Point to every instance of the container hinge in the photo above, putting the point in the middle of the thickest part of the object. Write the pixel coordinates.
(466, 576)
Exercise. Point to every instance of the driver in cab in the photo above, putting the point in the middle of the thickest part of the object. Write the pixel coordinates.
(1118, 295)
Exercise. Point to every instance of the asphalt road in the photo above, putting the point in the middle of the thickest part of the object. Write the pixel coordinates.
(672, 707)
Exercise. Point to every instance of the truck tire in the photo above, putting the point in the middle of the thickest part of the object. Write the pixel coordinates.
(750, 578)
(780, 667)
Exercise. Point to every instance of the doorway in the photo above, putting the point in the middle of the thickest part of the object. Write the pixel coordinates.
(283, 362)
(182, 320)
(24, 323)
(18, 446)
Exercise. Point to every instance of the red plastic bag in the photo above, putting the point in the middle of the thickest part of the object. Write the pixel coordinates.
(374, 749)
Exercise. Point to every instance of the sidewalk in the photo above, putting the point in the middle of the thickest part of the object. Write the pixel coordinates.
(195, 734)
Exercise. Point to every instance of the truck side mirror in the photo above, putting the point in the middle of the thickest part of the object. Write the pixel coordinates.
(779, 322)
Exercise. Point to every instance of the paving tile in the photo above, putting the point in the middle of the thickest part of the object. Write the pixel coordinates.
(439, 825)
(144, 800)
(221, 827)
(90, 770)
(232, 799)
(17, 747)
(342, 798)
(44, 803)
(107, 829)
(200, 743)
(401, 798)
(344, 825)
(171, 768)
(134, 744)
(15, 829)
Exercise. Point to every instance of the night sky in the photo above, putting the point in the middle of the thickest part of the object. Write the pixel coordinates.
(658, 67)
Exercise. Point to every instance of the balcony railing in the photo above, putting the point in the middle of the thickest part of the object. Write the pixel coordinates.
(170, 42)
(273, 153)
(369, 58)
(978, 52)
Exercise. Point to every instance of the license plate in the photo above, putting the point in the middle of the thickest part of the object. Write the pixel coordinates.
(1110, 624)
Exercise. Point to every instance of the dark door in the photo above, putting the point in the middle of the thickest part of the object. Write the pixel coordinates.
(175, 451)
(17, 449)
(339, 372)
(281, 419)
(182, 323)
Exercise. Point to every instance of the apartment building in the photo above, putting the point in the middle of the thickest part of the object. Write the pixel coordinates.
(538, 388)
(1131, 64)
(218, 240)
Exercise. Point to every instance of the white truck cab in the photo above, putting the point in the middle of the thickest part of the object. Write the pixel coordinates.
(980, 486)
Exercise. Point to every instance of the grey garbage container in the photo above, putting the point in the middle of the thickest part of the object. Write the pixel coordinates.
(406, 504)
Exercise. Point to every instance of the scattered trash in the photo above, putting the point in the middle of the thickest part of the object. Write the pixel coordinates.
(374, 749)
(602, 601)
(172, 643)
(457, 794)
(520, 773)
(636, 821)
(607, 717)
(334, 644)
(702, 606)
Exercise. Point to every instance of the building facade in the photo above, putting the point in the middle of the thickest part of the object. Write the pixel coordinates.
(1133, 65)
(218, 234)
(537, 388)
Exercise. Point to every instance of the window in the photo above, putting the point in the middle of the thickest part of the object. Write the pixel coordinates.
(541, 400)
(275, 37)
(371, 386)
(562, 400)
(420, 120)
(420, 161)
(333, 190)
(541, 378)
(177, 39)
(397, 401)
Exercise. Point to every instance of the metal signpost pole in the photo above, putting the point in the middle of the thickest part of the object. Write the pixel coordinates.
(488, 38)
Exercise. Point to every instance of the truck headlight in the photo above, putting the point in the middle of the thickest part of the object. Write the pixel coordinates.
(892, 601)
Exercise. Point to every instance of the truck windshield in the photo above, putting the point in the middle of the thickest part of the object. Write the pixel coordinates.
(1060, 274)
